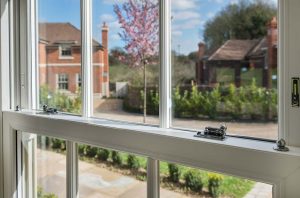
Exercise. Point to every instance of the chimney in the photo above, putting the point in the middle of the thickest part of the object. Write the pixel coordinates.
(272, 42)
(201, 50)
(105, 85)
(105, 35)
(271, 56)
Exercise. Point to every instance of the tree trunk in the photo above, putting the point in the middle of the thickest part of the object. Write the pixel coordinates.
(145, 94)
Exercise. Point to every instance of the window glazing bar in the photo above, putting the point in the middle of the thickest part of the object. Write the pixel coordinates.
(86, 57)
(153, 180)
(165, 64)
(72, 170)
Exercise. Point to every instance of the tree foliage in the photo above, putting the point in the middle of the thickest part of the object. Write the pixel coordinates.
(246, 19)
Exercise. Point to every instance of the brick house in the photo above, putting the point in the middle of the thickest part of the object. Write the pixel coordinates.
(238, 54)
(60, 59)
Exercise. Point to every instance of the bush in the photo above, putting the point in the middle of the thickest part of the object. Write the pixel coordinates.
(116, 158)
(214, 183)
(193, 180)
(90, 151)
(174, 173)
(102, 154)
(133, 162)
(81, 149)
(42, 194)
(58, 144)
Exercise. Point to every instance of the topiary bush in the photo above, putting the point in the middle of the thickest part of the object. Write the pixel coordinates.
(116, 158)
(81, 149)
(102, 154)
(58, 144)
(133, 162)
(214, 183)
(174, 173)
(90, 151)
(193, 180)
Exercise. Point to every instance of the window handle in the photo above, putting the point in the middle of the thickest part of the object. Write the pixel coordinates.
(49, 110)
(213, 133)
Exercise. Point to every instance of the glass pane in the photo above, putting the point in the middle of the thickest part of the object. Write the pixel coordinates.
(182, 181)
(125, 60)
(51, 167)
(59, 54)
(107, 173)
(224, 63)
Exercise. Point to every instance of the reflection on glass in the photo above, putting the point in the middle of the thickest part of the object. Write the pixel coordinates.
(51, 167)
(107, 173)
(186, 182)
(224, 62)
(59, 54)
(125, 60)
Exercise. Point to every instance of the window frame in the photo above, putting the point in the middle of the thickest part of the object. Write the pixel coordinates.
(279, 169)
(63, 81)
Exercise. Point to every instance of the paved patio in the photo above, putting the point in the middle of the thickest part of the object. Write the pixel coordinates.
(99, 182)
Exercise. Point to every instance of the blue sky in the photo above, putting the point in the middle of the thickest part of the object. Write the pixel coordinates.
(189, 16)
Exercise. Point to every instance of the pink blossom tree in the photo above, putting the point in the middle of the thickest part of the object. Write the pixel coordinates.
(140, 25)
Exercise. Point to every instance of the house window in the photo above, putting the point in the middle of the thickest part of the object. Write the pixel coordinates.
(233, 156)
(63, 82)
(65, 51)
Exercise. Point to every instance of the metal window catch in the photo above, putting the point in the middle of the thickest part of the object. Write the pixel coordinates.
(213, 133)
(49, 110)
(17, 108)
(281, 146)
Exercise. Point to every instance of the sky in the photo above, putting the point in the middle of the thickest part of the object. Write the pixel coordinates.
(189, 17)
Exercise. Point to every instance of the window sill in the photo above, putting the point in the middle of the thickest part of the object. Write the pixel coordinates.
(66, 57)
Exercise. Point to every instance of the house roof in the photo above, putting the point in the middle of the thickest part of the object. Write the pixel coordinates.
(234, 50)
(58, 33)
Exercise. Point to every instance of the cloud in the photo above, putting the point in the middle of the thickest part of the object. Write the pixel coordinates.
(115, 37)
(188, 24)
(114, 1)
(177, 33)
(107, 18)
(183, 4)
(185, 15)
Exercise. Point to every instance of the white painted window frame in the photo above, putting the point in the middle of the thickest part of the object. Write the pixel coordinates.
(239, 157)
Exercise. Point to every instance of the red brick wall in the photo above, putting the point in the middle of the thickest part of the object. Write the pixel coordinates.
(49, 55)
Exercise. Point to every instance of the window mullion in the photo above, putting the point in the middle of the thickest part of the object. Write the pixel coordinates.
(86, 56)
(165, 64)
(72, 170)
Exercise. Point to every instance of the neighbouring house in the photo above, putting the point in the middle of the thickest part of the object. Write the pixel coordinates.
(60, 59)
(238, 55)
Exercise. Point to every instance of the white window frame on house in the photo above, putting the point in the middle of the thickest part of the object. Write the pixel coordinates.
(248, 158)
(78, 80)
(63, 81)
(65, 47)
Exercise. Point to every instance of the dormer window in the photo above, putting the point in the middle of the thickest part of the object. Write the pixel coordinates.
(65, 51)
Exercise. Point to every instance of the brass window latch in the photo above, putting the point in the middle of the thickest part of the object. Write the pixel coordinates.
(213, 133)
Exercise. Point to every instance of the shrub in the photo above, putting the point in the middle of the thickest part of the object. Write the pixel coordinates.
(102, 154)
(42, 194)
(174, 173)
(193, 180)
(90, 151)
(116, 158)
(58, 144)
(214, 183)
(133, 162)
(81, 149)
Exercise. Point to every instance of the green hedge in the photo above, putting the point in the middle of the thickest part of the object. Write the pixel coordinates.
(244, 103)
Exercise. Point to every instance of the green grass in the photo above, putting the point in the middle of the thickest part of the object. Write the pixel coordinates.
(231, 187)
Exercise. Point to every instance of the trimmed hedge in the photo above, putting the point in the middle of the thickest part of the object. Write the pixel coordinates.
(174, 173)
(102, 154)
(193, 180)
(116, 158)
(244, 103)
(133, 162)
